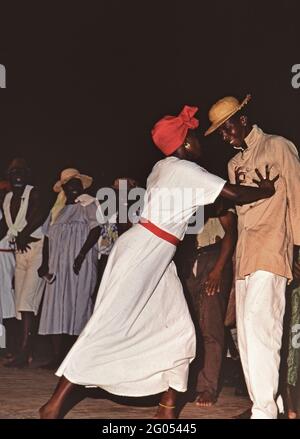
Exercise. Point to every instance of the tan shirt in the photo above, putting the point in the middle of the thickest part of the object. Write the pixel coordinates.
(268, 228)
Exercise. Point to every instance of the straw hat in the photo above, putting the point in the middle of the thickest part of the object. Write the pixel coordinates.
(68, 174)
(223, 110)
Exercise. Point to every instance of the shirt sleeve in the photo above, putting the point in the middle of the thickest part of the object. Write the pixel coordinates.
(286, 155)
(210, 185)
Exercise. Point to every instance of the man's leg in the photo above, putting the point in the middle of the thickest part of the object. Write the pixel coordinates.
(211, 322)
(263, 318)
(241, 294)
(212, 330)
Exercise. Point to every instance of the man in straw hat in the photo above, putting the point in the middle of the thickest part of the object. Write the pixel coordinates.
(140, 338)
(23, 218)
(268, 229)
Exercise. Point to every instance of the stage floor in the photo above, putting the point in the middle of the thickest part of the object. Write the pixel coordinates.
(23, 391)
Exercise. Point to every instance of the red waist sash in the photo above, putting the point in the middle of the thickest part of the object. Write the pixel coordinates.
(159, 232)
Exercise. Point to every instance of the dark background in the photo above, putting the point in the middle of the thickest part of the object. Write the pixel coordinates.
(87, 80)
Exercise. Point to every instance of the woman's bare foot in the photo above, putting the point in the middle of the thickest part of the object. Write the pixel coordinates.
(22, 360)
(205, 399)
(165, 413)
(49, 411)
(8, 356)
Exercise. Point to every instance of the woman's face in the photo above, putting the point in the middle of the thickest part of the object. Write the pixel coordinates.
(73, 189)
(193, 148)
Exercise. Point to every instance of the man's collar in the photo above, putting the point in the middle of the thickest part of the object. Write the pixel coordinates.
(253, 137)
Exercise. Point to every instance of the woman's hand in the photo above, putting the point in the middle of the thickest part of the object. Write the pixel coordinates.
(78, 263)
(239, 175)
(265, 183)
(43, 270)
(22, 243)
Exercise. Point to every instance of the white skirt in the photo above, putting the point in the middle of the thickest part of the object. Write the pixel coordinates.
(7, 272)
(140, 338)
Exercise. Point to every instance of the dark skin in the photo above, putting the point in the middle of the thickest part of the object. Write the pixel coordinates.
(73, 189)
(291, 391)
(213, 283)
(190, 150)
(235, 130)
(18, 178)
(229, 224)
(228, 221)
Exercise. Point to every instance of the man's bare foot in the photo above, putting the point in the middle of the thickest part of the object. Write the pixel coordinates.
(165, 413)
(49, 411)
(205, 399)
(290, 402)
(291, 414)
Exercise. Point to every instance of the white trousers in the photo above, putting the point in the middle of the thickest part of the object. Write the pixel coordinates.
(28, 285)
(260, 305)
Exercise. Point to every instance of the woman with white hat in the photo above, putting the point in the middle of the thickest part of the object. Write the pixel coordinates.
(69, 262)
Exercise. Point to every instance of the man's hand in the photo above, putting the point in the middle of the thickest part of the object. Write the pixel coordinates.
(22, 243)
(213, 282)
(78, 263)
(266, 183)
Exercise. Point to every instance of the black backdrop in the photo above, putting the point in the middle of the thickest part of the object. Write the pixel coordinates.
(86, 80)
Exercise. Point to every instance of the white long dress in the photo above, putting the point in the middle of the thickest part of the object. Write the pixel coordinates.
(140, 338)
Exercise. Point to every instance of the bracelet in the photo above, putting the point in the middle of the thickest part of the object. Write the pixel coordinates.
(167, 406)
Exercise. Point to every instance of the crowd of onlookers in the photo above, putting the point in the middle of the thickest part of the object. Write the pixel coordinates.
(51, 266)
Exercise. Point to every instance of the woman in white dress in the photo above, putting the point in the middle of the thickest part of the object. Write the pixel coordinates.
(140, 338)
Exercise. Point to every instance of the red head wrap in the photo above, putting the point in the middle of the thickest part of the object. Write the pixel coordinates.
(170, 132)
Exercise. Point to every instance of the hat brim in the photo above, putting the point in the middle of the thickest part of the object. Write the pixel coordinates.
(220, 122)
(85, 180)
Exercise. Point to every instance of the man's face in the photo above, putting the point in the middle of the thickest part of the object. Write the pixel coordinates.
(233, 131)
(73, 189)
(18, 178)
